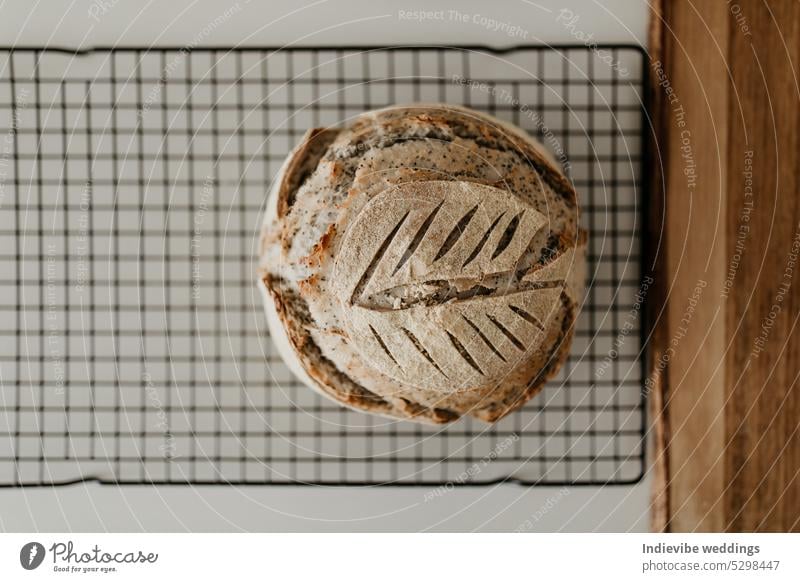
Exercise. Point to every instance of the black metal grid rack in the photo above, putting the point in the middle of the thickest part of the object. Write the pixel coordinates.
(134, 349)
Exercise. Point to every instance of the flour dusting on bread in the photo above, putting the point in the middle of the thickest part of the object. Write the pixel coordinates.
(424, 262)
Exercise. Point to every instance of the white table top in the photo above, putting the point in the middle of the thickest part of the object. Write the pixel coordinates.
(93, 507)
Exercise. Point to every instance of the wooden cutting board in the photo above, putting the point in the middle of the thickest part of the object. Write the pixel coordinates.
(725, 223)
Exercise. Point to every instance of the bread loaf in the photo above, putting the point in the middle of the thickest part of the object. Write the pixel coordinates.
(424, 262)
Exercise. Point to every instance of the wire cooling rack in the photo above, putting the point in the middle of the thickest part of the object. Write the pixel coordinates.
(134, 349)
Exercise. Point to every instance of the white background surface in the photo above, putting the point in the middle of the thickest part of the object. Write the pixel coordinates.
(282, 557)
(92, 507)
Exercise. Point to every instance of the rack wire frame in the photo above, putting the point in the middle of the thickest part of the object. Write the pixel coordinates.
(134, 350)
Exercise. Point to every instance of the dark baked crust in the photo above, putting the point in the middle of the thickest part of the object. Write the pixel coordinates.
(293, 312)
(301, 163)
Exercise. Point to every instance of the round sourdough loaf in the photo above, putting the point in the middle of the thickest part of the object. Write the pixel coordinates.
(424, 262)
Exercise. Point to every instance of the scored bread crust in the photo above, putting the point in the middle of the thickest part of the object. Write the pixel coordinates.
(325, 184)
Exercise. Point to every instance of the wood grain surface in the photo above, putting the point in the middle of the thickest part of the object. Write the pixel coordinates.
(725, 224)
